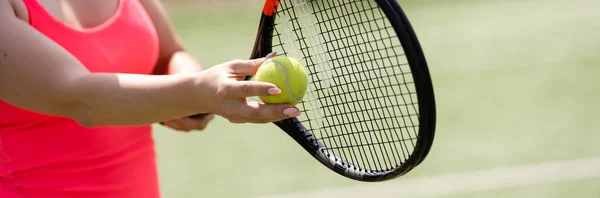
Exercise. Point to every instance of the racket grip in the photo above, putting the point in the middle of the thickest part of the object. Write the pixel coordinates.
(192, 116)
(198, 115)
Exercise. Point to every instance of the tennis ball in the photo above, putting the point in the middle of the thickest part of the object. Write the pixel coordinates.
(288, 74)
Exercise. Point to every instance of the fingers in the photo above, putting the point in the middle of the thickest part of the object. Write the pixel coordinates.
(174, 125)
(232, 91)
(200, 115)
(262, 113)
(198, 123)
(242, 89)
(249, 67)
(187, 124)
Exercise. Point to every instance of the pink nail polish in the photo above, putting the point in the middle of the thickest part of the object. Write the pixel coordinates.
(290, 111)
(274, 91)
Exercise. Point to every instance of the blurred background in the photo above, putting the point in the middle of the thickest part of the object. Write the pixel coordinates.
(517, 85)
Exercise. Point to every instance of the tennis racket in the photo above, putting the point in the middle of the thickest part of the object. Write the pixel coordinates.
(369, 112)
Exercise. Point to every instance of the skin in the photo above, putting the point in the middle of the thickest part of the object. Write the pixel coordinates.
(39, 75)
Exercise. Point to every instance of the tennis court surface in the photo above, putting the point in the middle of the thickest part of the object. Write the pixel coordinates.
(517, 92)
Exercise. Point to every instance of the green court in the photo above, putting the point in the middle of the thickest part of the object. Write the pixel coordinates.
(516, 81)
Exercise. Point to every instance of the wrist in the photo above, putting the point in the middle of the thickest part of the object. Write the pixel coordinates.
(198, 90)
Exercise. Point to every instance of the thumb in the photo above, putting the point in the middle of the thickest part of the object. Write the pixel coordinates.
(249, 67)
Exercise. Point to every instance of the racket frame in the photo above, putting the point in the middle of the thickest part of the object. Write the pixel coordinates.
(423, 84)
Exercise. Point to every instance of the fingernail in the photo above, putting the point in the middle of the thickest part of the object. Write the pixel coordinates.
(270, 54)
(296, 115)
(274, 91)
(292, 112)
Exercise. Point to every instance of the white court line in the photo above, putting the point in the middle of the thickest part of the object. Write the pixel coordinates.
(455, 183)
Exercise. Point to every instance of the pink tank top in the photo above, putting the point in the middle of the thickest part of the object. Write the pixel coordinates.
(54, 157)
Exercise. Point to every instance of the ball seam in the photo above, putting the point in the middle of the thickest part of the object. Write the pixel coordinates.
(287, 83)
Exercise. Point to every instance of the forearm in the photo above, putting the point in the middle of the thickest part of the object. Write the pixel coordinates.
(128, 99)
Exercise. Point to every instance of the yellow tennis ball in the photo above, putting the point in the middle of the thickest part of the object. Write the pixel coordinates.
(288, 74)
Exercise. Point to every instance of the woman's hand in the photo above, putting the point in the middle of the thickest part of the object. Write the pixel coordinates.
(225, 91)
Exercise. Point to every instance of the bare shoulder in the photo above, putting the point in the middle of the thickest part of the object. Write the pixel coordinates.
(14, 8)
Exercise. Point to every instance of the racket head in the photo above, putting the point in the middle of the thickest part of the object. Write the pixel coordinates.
(322, 34)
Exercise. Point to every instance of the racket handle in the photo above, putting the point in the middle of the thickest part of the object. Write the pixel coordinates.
(198, 115)
(192, 116)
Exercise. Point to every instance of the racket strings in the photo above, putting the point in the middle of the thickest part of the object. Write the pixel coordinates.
(367, 120)
(360, 81)
(378, 139)
(350, 156)
(366, 131)
(361, 102)
(362, 126)
(355, 91)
